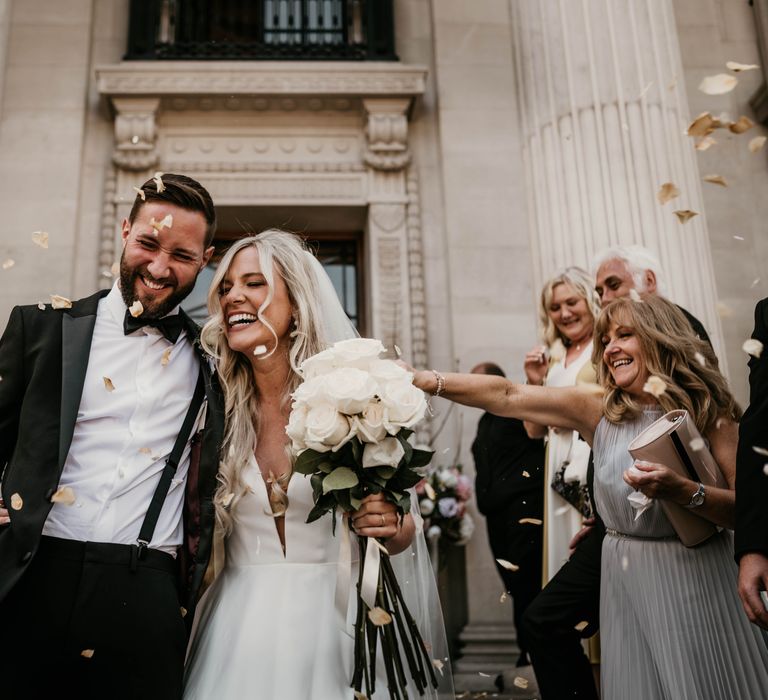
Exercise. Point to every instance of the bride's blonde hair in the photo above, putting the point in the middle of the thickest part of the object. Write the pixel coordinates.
(285, 254)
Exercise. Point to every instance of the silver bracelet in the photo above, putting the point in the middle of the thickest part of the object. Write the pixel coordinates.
(440, 382)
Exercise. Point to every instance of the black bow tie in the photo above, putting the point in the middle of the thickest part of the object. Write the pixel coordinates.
(169, 326)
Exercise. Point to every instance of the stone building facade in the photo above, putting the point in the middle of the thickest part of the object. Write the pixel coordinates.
(510, 137)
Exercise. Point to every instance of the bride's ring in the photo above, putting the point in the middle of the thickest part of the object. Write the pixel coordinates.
(383, 521)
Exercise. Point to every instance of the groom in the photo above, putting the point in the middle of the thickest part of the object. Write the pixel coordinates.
(110, 422)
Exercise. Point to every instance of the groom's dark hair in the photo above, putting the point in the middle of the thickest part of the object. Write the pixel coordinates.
(184, 192)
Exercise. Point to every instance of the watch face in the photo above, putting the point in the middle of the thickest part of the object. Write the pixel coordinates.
(697, 499)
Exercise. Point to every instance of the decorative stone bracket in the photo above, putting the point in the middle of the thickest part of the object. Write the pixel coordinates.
(135, 132)
(387, 133)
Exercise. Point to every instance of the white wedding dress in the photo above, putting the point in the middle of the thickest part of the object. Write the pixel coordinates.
(268, 627)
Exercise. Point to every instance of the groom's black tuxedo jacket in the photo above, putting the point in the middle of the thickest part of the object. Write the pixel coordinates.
(43, 359)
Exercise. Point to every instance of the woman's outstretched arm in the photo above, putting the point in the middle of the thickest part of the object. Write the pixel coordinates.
(578, 407)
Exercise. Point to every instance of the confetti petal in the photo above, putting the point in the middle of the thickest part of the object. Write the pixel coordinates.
(719, 84)
(438, 664)
(8, 264)
(360, 696)
(430, 491)
(145, 451)
(753, 347)
(624, 563)
(740, 67)
(136, 309)
(667, 192)
(158, 178)
(743, 124)
(526, 474)
(227, 500)
(183, 611)
(40, 238)
(756, 144)
(765, 469)
(634, 295)
(166, 358)
(562, 510)
(87, 653)
(167, 222)
(685, 215)
(581, 626)
(760, 450)
(703, 125)
(17, 502)
(705, 143)
(108, 385)
(379, 617)
(700, 359)
(530, 521)
(59, 302)
(115, 269)
(260, 350)
(41, 306)
(398, 351)
(655, 386)
(64, 495)
(503, 597)
(715, 180)
(509, 566)
(520, 682)
(697, 444)
(140, 193)
(723, 310)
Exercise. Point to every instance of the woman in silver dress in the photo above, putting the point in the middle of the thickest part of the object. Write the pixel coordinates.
(670, 619)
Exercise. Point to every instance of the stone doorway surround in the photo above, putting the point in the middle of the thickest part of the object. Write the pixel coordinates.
(328, 134)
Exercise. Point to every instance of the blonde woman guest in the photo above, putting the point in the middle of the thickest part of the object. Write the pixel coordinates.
(268, 625)
(671, 622)
(568, 308)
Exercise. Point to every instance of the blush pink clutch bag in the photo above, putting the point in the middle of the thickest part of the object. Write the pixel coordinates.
(670, 441)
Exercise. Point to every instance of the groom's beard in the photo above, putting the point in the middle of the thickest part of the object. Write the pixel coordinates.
(129, 278)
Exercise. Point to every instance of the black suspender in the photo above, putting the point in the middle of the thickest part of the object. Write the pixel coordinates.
(171, 464)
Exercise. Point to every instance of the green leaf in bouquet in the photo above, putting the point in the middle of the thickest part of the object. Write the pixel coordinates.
(309, 461)
(343, 499)
(420, 458)
(317, 485)
(324, 505)
(407, 447)
(356, 503)
(404, 479)
(356, 448)
(340, 478)
(405, 503)
(386, 472)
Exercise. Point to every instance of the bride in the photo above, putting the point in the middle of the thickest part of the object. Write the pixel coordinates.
(268, 627)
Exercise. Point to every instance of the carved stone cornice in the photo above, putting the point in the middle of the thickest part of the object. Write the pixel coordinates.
(159, 78)
(135, 132)
(387, 133)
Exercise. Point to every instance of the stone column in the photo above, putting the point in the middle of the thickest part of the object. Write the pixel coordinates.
(604, 114)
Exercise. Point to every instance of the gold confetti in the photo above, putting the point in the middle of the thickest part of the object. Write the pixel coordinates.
(136, 309)
(719, 84)
(743, 124)
(526, 474)
(530, 521)
(379, 617)
(760, 450)
(87, 653)
(715, 180)
(667, 192)
(140, 193)
(509, 566)
(685, 215)
(753, 347)
(697, 444)
(756, 144)
(740, 67)
(166, 358)
(108, 385)
(8, 264)
(655, 386)
(158, 178)
(581, 626)
(64, 495)
(700, 359)
(17, 502)
(40, 238)
(59, 302)
(705, 143)
(520, 682)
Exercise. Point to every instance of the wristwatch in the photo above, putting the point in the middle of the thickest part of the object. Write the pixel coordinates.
(698, 498)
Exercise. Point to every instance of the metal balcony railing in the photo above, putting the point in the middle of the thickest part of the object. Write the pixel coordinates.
(319, 30)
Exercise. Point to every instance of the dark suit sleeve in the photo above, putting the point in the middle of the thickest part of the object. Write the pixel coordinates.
(12, 382)
(751, 481)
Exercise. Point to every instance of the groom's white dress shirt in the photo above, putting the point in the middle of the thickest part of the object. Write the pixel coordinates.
(124, 435)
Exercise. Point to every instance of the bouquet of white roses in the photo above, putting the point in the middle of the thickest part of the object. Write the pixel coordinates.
(350, 425)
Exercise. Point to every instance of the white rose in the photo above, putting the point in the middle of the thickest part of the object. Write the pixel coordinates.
(406, 405)
(296, 427)
(371, 423)
(318, 364)
(349, 389)
(325, 427)
(385, 371)
(386, 453)
(311, 391)
(426, 506)
(356, 352)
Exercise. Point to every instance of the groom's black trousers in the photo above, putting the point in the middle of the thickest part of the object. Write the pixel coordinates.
(554, 645)
(76, 598)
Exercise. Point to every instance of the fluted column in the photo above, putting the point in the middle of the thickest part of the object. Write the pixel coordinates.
(604, 114)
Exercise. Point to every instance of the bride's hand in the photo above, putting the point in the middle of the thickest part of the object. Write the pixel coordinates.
(377, 517)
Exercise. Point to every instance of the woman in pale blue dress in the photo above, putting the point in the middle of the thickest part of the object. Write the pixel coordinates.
(672, 627)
